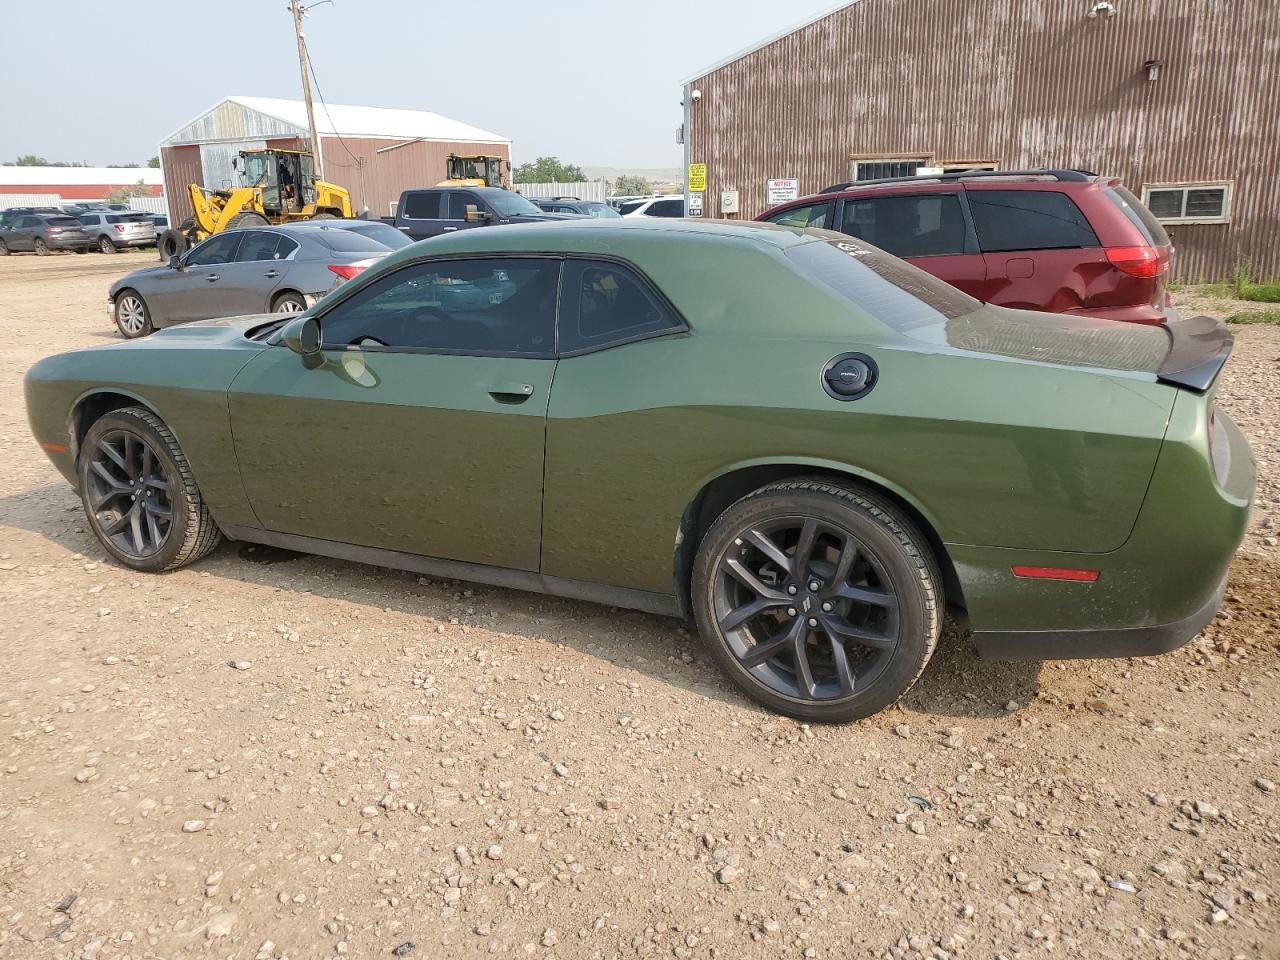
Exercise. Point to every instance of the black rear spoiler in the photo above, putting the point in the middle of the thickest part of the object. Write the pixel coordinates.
(1199, 347)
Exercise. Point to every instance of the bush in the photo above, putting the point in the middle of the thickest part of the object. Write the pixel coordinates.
(1255, 316)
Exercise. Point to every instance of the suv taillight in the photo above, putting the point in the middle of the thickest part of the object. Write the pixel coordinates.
(1146, 262)
(119, 228)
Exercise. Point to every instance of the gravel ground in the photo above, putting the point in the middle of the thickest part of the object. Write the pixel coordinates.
(275, 756)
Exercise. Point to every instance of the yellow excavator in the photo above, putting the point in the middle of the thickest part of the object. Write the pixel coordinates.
(278, 186)
(478, 170)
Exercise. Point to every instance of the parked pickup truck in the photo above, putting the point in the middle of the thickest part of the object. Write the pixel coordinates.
(435, 210)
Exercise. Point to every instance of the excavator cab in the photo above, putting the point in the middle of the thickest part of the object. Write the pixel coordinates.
(473, 171)
(286, 178)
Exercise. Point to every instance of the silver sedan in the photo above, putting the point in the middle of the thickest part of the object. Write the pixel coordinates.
(281, 269)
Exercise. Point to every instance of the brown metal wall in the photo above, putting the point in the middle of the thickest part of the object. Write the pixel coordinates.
(181, 166)
(1028, 84)
(376, 179)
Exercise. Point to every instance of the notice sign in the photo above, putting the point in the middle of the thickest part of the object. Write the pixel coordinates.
(695, 205)
(781, 190)
(697, 177)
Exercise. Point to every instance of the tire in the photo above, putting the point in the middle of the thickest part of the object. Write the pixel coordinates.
(324, 216)
(41, 248)
(843, 651)
(172, 243)
(288, 302)
(106, 246)
(189, 532)
(132, 316)
(4, 249)
(246, 219)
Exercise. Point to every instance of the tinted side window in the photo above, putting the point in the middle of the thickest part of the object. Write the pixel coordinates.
(423, 206)
(667, 208)
(476, 307)
(258, 245)
(285, 247)
(458, 203)
(1028, 220)
(606, 303)
(220, 248)
(89, 220)
(926, 225)
(812, 215)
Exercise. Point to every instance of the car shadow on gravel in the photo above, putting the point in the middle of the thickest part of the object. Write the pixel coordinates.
(956, 683)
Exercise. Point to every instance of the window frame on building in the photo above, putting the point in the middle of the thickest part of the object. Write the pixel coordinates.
(1228, 197)
(905, 158)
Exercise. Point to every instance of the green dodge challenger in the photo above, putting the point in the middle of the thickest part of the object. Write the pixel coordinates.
(802, 442)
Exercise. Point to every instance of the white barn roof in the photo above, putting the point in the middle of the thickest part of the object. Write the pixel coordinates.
(79, 176)
(238, 118)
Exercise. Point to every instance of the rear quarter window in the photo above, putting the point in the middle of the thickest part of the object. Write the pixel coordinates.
(1137, 214)
(1008, 220)
(348, 241)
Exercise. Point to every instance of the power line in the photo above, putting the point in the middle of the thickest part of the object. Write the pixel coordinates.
(359, 161)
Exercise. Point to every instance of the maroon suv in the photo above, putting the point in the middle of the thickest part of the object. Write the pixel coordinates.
(1065, 241)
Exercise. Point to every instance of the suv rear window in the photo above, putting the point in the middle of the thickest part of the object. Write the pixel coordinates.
(1138, 214)
(1009, 220)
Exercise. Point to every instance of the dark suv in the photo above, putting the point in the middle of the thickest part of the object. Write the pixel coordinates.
(435, 210)
(1063, 241)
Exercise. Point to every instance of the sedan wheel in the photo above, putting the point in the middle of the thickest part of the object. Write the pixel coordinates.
(819, 601)
(132, 317)
(138, 493)
(289, 303)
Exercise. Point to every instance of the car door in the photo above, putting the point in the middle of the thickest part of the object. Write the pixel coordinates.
(456, 211)
(811, 215)
(421, 216)
(423, 428)
(23, 235)
(192, 292)
(246, 284)
(92, 225)
(931, 230)
(1040, 250)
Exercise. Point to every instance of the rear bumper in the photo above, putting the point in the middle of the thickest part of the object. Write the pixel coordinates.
(1096, 644)
(1133, 313)
(68, 243)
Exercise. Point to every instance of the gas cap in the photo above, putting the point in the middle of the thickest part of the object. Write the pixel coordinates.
(849, 376)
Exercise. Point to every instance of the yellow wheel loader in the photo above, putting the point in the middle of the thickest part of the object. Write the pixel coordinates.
(474, 171)
(277, 186)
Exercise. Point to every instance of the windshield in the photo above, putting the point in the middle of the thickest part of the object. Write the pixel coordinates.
(255, 168)
(512, 205)
(601, 210)
(385, 234)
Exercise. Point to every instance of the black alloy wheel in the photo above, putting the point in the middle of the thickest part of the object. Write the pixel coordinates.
(130, 494)
(821, 601)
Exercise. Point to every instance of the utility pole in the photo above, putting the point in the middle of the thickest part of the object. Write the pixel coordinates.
(295, 7)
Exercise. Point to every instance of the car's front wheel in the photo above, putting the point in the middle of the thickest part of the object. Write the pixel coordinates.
(41, 248)
(820, 601)
(133, 319)
(139, 495)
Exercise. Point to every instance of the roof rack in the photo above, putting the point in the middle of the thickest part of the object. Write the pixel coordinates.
(1067, 175)
(555, 198)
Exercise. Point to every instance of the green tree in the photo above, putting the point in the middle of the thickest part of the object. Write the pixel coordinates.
(548, 170)
(31, 160)
(154, 163)
(628, 185)
(123, 194)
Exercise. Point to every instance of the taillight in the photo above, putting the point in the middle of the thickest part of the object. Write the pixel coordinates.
(1145, 262)
(119, 227)
(347, 271)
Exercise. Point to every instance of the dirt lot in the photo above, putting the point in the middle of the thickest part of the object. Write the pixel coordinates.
(469, 771)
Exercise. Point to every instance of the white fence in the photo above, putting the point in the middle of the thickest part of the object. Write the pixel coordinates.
(8, 200)
(584, 190)
(149, 205)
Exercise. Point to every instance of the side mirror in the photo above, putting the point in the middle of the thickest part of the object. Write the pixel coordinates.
(302, 336)
(475, 215)
(175, 262)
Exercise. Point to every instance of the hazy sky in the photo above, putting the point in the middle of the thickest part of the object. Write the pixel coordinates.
(595, 83)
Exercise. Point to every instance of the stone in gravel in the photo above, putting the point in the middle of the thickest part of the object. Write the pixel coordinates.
(1207, 810)
(239, 664)
(193, 826)
(610, 803)
(845, 887)
(405, 948)
(549, 937)
(1087, 874)
(727, 875)
(1219, 916)
(917, 827)
(561, 770)
(903, 730)
(86, 774)
(64, 906)
(495, 852)
(1124, 886)
(1031, 885)
(220, 925)
(1265, 785)
(369, 811)
(840, 794)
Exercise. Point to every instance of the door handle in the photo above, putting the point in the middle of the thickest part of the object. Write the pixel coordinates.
(212, 278)
(404, 229)
(511, 392)
(271, 274)
(449, 229)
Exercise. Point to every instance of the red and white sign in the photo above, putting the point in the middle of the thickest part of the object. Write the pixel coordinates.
(781, 190)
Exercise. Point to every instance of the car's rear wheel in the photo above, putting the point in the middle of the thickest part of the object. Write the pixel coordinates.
(4, 249)
(289, 303)
(105, 245)
(139, 495)
(324, 216)
(42, 248)
(133, 319)
(820, 601)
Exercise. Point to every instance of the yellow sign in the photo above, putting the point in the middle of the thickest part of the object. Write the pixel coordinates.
(697, 177)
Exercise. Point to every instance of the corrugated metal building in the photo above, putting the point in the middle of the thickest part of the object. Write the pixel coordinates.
(373, 152)
(1180, 98)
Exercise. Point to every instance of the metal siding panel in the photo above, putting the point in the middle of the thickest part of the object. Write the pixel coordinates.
(181, 166)
(1026, 84)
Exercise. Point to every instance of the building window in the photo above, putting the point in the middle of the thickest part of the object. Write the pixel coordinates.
(880, 168)
(1189, 202)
